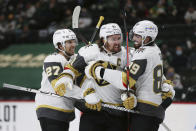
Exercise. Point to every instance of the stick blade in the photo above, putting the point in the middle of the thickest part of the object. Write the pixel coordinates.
(75, 17)
(5, 85)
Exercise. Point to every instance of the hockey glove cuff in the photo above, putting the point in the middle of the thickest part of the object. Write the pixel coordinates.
(92, 100)
(62, 84)
(167, 89)
(129, 102)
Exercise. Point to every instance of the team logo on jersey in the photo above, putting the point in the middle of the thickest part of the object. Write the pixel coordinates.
(102, 82)
(140, 50)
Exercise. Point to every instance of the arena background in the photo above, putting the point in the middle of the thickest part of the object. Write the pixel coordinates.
(26, 29)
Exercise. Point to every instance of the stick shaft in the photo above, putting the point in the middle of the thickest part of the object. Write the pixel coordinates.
(55, 95)
(30, 90)
(96, 29)
(165, 126)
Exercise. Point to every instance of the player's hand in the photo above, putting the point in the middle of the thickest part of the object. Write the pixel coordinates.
(93, 70)
(129, 102)
(63, 85)
(167, 89)
(92, 100)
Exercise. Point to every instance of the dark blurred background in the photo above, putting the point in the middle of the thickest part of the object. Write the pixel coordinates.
(27, 26)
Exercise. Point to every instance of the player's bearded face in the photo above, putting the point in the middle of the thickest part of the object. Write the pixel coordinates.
(70, 47)
(114, 43)
(137, 39)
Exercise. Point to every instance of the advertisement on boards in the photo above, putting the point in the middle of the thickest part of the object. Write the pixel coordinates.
(21, 116)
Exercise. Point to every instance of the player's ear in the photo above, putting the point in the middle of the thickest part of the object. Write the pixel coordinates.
(147, 39)
(59, 46)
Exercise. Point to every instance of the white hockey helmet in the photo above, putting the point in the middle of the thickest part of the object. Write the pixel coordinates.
(62, 35)
(108, 30)
(146, 28)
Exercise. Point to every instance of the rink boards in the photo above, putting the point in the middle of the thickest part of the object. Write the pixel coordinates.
(21, 116)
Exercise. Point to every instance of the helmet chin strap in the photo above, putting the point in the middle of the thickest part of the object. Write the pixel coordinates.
(109, 52)
(65, 53)
(143, 39)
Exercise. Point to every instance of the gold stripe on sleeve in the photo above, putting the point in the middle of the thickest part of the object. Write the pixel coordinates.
(131, 80)
(74, 70)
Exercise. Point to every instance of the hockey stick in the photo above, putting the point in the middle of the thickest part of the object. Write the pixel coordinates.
(21, 88)
(127, 51)
(71, 98)
(75, 20)
(127, 64)
(165, 126)
(56, 95)
(96, 29)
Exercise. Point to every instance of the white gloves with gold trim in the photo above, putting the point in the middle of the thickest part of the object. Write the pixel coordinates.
(62, 84)
(129, 102)
(92, 100)
(167, 89)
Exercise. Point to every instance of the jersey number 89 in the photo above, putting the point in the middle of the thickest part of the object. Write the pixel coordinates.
(157, 78)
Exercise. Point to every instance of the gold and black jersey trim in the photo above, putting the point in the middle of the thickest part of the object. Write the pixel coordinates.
(131, 80)
(101, 82)
(148, 102)
(77, 73)
(54, 108)
(51, 112)
(80, 80)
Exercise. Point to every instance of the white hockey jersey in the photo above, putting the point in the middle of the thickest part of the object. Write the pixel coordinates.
(50, 106)
(146, 74)
(106, 91)
(148, 85)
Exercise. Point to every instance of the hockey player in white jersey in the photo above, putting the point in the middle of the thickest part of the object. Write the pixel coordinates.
(145, 77)
(96, 91)
(55, 113)
(110, 50)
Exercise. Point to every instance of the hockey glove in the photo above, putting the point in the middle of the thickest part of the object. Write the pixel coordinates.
(167, 89)
(62, 84)
(92, 100)
(129, 102)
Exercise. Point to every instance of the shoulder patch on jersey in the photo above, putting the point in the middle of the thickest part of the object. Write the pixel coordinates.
(52, 69)
(137, 68)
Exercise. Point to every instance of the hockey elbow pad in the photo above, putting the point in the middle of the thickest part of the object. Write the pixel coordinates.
(78, 65)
